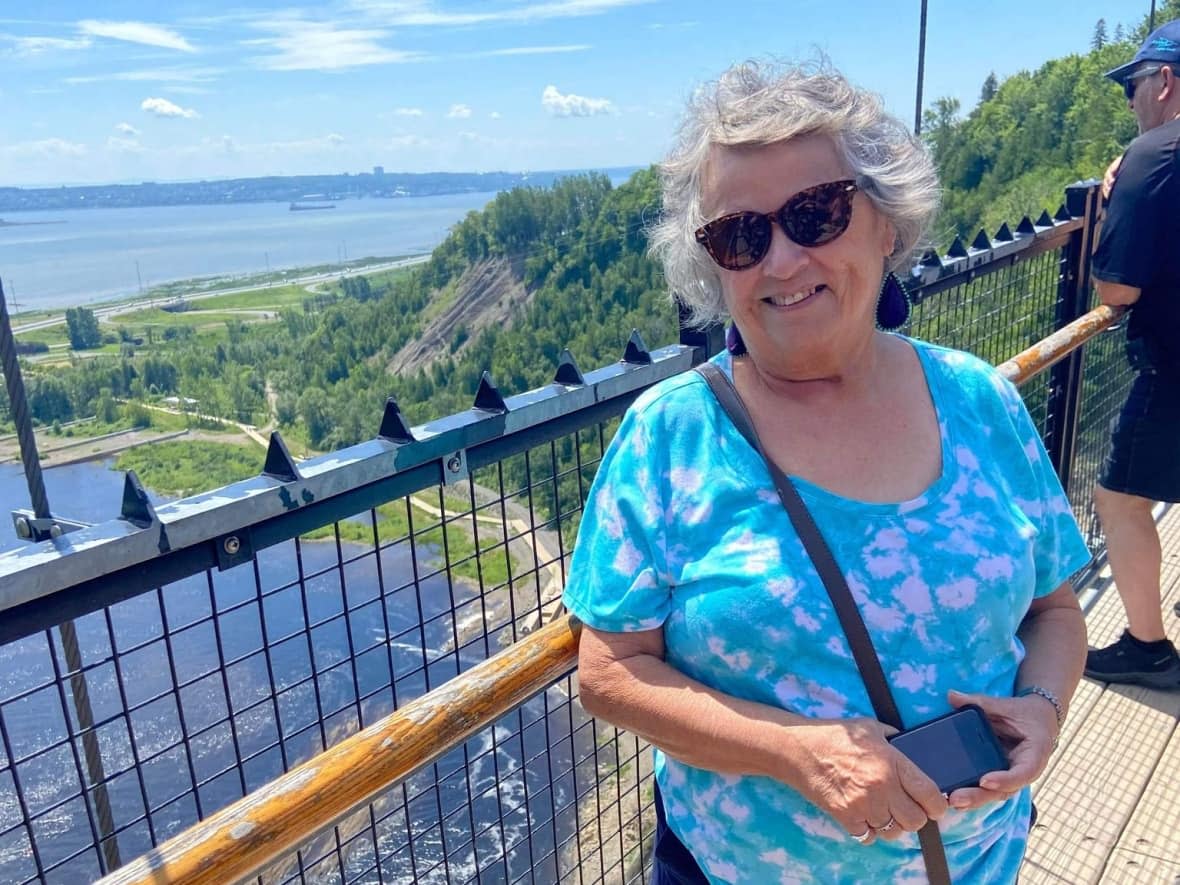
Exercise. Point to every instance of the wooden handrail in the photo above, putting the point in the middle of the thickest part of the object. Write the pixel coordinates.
(1056, 347)
(243, 838)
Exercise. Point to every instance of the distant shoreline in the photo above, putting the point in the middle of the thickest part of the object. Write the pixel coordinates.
(4, 223)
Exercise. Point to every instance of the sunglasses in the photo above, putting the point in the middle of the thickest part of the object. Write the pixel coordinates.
(811, 217)
(1132, 82)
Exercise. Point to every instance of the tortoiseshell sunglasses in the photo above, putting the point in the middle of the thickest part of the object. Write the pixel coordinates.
(812, 217)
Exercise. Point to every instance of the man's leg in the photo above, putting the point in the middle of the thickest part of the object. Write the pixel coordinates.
(1144, 655)
(1133, 550)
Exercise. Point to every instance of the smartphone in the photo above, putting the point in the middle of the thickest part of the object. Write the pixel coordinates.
(954, 750)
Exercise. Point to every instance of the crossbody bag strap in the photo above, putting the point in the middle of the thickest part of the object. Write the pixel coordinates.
(863, 652)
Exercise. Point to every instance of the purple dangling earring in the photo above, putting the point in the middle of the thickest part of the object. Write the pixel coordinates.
(733, 341)
(893, 304)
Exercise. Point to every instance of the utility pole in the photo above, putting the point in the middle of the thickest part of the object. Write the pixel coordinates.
(1151, 18)
(139, 276)
(922, 69)
(266, 257)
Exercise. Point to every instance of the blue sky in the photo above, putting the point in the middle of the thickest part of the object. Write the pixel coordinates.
(134, 90)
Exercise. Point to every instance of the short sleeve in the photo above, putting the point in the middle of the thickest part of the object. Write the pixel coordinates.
(1059, 550)
(615, 582)
(1129, 245)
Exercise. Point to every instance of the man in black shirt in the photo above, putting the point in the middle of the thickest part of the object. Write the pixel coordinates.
(1137, 263)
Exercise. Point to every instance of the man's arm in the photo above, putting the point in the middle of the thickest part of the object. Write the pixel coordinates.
(1116, 294)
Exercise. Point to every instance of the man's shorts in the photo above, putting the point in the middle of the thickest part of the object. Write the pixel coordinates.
(1144, 455)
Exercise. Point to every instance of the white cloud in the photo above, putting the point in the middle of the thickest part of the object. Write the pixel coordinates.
(495, 115)
(408, 112)
(28, 46)
(321, 46)
(570, 105)
(538, 50)
(127, 129)
(51, 148)
(136, 32)
(423, 13)
(459, 112)
(408, 141)
(124, 145)
(161, 75)
(162, 107)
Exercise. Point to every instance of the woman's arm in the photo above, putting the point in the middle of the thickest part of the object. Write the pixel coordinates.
(1054, 637)
(843, 766)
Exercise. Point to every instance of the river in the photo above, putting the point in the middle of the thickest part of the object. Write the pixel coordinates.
(82, 256)
(262, 640)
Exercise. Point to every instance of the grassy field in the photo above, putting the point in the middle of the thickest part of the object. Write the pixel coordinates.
(50, 335)
(179, 469)
(153, 316)
(271, 298)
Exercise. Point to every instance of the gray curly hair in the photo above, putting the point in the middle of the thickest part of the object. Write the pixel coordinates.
(762, 103)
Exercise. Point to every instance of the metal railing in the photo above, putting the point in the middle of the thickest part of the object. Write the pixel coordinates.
(227, 638)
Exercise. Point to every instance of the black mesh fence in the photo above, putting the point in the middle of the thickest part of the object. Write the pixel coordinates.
(209, 687)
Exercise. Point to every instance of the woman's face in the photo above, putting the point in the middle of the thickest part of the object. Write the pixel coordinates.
(804, 312)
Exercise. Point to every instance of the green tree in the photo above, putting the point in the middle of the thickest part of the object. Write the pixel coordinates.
(82, 326)
(990, 86)
(1099, 38)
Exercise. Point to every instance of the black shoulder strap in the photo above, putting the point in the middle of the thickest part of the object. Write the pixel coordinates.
(851, 621)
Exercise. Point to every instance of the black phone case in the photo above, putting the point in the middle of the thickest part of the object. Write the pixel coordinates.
(990, 746)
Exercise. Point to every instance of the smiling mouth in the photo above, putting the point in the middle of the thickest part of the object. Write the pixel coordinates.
(793, 298)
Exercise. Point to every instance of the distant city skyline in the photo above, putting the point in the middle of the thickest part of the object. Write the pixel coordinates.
(131, 91)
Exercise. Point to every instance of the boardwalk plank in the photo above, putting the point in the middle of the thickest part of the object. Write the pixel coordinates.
(1110, 810)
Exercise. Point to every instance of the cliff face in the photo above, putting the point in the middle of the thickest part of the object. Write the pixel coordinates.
(490, 292)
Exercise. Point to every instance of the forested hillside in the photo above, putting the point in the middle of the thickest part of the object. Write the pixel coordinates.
(1034, 133)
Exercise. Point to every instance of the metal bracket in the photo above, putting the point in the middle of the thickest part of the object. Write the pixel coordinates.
(234, 549)
(455, 468)
(29, 528)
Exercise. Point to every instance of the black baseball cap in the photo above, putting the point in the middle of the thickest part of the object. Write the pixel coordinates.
(1162, 45)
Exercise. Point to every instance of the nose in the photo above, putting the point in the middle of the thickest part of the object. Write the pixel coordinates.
(785, 257)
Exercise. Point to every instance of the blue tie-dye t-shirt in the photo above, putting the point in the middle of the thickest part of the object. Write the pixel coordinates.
(683, 530)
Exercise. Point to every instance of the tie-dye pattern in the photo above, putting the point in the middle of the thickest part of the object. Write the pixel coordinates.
(683, 530)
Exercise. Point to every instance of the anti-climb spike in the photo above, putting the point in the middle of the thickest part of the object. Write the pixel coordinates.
(488, 398)
(279, 463)
(957, 249)
(393, 424)
(1025, 226)
(1044, 220)
(636, 351)
(568, 372)
(981, 241)
(137, 508)
(1003, 235)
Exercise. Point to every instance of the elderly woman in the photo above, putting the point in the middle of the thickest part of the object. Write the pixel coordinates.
(707, 630)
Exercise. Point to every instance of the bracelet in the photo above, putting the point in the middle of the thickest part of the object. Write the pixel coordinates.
(1058, 710)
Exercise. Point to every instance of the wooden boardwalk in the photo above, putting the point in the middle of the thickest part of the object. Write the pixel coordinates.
(1110, 801)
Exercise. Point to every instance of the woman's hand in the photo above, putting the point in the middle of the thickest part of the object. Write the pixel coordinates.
(853, 774)
(1027, 727)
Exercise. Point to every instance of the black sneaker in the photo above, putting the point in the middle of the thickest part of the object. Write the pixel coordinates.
(1128, 662)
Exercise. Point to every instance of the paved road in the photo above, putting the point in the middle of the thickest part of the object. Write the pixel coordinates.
(107, 311)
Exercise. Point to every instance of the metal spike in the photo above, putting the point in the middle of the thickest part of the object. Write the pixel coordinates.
(1044, 220)
(1062, 213)
(488, 398)
(930, 259)
(393, 424)
(137, 506)
(981, 241)
(1003, 235)
(1025, 226)
(957, 249)
(279, 463)
(636, 351)
(568, 372)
